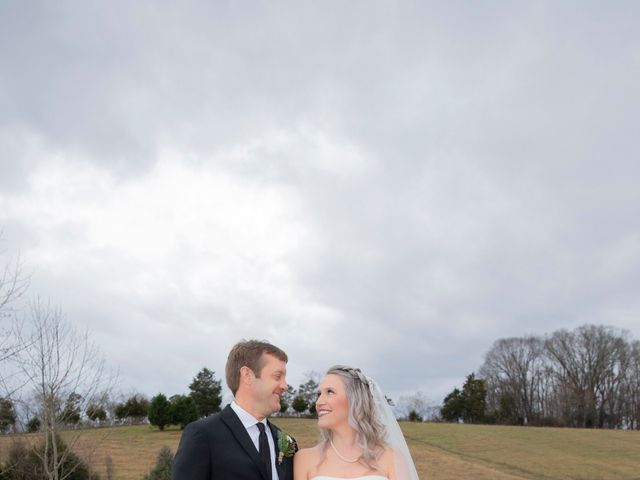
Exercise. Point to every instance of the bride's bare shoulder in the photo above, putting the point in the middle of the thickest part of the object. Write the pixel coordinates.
(386, 460)
(308, 454)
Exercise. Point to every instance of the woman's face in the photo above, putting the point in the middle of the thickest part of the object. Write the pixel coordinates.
(332, 404)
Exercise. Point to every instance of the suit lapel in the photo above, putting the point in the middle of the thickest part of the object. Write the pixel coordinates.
(240, 433)
(279, 465)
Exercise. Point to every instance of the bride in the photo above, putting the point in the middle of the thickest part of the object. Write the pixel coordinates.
(360, 437)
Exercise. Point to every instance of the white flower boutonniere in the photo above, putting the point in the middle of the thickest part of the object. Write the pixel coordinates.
(286, 446)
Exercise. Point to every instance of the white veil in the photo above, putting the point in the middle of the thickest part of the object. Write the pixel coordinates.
(404, 466)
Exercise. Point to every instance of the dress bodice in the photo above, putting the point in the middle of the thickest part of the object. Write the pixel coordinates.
(364, 477)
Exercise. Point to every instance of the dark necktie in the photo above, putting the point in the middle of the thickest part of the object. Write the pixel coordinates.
(265, 452)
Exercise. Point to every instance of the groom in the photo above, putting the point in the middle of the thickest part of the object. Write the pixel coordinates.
(240, 443)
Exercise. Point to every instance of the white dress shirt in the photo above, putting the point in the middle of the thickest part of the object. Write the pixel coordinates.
(251, 424)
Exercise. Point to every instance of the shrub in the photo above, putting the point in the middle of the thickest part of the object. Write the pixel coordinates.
(24, 463)
(162, 469)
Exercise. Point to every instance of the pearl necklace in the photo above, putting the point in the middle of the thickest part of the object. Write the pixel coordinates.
(340, 456)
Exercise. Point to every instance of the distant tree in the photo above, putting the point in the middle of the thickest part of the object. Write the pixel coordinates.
(183, 410)
(206, 392)
(452, 406)
(299, 404)
(284, 406)
(590, 363)
(96, 413)
(514, 370)
(13, 285)
(309, 391)
(135, 408)
(121, 411)
(160, 411)
(33, 425)
(286, 398)
(417, 403)
(474, 394)
(162, 468)
(414, 416)
(70, 414)
(7, 415)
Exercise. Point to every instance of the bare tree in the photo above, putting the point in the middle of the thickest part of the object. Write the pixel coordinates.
(13, 284)
(416, 405)
(585, 360)
(66, 373)
(631, 390)
(513, 369)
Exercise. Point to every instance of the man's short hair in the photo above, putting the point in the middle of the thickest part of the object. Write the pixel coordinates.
(248, 353)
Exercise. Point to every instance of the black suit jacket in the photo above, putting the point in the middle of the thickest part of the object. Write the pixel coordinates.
(219, 447)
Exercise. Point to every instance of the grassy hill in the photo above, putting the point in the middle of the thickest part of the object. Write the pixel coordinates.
(441, 451)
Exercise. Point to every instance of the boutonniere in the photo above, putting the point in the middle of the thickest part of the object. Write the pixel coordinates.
(286, 446)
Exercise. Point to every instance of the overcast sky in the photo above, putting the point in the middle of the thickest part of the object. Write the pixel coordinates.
(392, 185)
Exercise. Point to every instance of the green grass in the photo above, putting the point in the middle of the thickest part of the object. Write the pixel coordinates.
(441, 451)
(535, 453)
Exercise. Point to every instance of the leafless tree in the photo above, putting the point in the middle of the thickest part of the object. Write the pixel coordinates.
(418, 403)
(631, 390)
(587, 377)
(585, 360)
(66, 372)
(513, 369)
(13, 284)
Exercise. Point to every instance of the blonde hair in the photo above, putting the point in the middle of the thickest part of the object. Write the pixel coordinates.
(363, 416)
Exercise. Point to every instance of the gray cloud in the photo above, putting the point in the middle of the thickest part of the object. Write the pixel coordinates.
(409, 181)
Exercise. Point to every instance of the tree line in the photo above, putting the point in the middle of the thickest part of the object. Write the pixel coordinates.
(588, 377)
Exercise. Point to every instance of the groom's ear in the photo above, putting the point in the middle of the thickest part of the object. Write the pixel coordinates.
(246, 375)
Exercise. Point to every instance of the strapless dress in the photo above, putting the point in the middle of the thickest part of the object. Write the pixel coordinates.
(364, 477)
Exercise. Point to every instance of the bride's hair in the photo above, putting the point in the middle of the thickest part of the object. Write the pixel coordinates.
(363, 416)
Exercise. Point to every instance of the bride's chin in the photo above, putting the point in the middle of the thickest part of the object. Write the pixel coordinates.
(324, 423)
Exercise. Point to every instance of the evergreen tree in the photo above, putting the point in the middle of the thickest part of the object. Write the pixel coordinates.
(160, 411)
(452, 406)
(286, 399)
(183, 410)
(474, 393)
(96, 413)
(206, 392)
(299, 404)
(71, 412)
(33, 425)
(121, 411)
(137, 407)
(309, 391)
(162, 468)
(7, 415)
(414, 416)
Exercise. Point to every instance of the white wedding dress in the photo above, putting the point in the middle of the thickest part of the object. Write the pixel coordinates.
(364, 477)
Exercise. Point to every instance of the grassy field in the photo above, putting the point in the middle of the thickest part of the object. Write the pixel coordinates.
(441, 451)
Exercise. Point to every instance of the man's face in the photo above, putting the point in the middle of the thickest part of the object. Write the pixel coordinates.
(272, 382)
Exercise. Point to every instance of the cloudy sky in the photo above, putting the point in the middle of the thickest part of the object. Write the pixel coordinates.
(388, 184)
